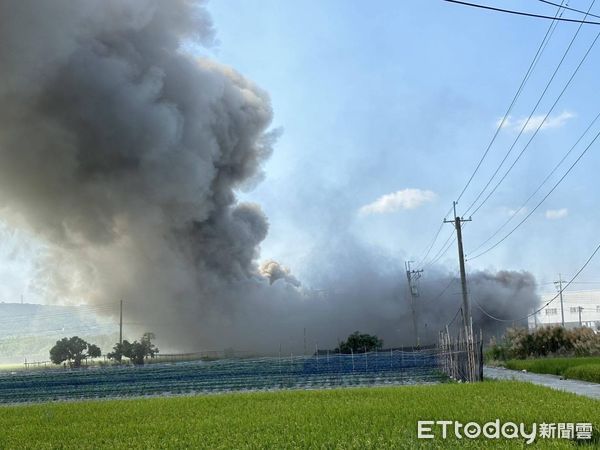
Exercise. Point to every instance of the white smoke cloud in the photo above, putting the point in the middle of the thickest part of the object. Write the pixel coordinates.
(403, 199)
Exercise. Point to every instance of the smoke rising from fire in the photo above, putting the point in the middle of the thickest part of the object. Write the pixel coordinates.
(123, 153)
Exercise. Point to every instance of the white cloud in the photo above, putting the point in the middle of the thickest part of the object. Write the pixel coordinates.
(555, 121)
(517, 211)
(404, 199)
(555, 214)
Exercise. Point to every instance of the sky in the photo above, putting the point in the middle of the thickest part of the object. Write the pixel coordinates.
(384, 109)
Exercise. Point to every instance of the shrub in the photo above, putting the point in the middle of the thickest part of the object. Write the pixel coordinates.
(519, 343)
(359, 343)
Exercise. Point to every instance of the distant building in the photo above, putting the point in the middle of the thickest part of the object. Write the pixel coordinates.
(577, 305)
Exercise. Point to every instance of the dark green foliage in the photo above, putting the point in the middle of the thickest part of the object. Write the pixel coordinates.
(360, 343)
(94, 351)
(73, 350)
(135, 351)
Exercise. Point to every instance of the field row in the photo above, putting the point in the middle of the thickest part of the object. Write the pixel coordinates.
(219, 376)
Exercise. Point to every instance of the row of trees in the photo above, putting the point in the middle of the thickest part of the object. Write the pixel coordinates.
(75, 350)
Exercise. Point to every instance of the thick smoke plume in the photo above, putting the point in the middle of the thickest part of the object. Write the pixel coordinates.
(123, 153)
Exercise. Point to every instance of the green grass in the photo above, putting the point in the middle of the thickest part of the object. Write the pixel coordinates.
(344, 418)
(554, 366)
(586, 372)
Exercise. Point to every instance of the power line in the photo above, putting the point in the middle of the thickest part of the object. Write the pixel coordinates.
(445, 247)
(443, 291)
(522, 13)
(569, 9)
(535, 133)
(455, 316)
(526, 123)
(442, 251)
(424, 257)
(534, 62)
(515, 214)
(541, 201)
(549, 301)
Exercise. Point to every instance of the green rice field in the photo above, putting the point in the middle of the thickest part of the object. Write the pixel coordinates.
(384, 417)
(554, 366)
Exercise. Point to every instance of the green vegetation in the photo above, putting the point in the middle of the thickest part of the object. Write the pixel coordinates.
(519, 343)
(360, 343)
(135, 351)
(586, 372)
(344, 418)
(74, 350)
(554, 366)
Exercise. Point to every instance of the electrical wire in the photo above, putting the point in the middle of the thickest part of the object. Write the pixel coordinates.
(424, 257)
(534, 134)
(526, 123)
(443, 291)
(568, 8)
(549, 301)
(521, 13)
(445, 246)
(540, 202)
(454, 318)
(521, 208)
(534, 62)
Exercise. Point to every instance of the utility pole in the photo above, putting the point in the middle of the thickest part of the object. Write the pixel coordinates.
(466, 309)
(121, 323)
(579, 308)
(558, 284)
(412, 276)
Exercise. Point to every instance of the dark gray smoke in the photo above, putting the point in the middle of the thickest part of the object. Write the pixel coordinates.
(123, 153)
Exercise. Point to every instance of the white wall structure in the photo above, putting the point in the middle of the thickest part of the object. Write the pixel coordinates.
(573, 301)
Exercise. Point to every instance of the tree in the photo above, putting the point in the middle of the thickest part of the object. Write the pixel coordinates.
(360, 343)
(135, 351)
(74, 350)
(117, 353)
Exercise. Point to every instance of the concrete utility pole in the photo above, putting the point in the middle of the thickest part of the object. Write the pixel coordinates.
(466, 309)
(121, 322)
(579, 309)
(412, 276)
(558, 284)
